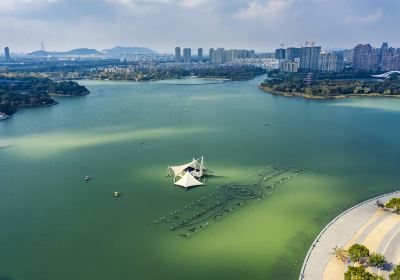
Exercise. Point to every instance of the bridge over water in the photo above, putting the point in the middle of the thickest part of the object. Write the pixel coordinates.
(385, 75)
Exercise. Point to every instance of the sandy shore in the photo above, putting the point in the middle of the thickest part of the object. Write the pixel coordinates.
(378, 229)
(335, 269)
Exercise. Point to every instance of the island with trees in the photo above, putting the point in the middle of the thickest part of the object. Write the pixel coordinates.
(238, 73)
(330, 86)
(113, 69)
(22, 92)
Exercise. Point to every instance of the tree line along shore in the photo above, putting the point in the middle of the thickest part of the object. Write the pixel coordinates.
(27, 91)
(216, 72)
(330, 86)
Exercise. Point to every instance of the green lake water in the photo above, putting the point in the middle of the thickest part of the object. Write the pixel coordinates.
(56, 226)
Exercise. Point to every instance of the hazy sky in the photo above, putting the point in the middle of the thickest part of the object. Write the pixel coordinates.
(164, 24)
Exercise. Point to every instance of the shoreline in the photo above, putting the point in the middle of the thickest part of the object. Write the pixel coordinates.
(220, 79)
(30, 107)
(158, 80)
(38, 105)
(69, 95)
(306, 96)
(347, 223)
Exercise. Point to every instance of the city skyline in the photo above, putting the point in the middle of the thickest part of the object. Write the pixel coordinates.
(164, 24)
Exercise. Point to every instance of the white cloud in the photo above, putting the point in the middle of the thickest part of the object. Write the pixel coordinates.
(183, 3)
(272, 9)
(192, 3)
(12, 6)
(369, 18)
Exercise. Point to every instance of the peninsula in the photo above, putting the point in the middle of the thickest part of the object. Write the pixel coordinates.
(22, 92)
(314, 86)
(129, 73)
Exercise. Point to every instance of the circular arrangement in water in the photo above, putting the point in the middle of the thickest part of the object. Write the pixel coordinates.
(226, 199)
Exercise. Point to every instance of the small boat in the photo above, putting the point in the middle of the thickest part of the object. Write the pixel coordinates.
(116, 194)
(186, 109)
(266, 124)
(141, 142)
(87, 178)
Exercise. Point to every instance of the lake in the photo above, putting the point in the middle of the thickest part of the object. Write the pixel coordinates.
(54, 225)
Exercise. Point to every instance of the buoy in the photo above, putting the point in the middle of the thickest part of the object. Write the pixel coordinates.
(116, 194)
(141, 142)
(266, 124)
(87, 178)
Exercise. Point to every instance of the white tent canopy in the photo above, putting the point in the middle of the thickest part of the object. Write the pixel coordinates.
(179, 169)
(196, 165)
(189, 174)
(188, 181)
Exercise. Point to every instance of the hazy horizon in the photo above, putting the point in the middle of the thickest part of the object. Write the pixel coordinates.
(161, 25)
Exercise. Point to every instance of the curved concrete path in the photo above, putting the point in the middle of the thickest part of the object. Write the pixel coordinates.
(359, 223)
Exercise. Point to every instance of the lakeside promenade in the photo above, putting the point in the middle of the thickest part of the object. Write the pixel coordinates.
(363, 223)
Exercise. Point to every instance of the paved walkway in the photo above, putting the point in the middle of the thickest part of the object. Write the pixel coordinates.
(340, 231)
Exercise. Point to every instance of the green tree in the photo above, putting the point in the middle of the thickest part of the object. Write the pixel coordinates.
(377, 260)
(309, 91)
(358, 90)
(394, 203)
(367, 90)
(358, 273)
(357, 252)
(396, 273)
(377, 277)
(325, 90)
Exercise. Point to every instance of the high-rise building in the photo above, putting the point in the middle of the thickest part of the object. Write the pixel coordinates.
(187, 55)
(217, 56)
(288, 66)
(178, 55)
(200, 55)
(385, 58)
(349, 55)
(330, 62)
(292, 53)
(211, 54)
(365, 57)
(384, 46)
(309, 58)
(390, 60)
(280, 54)
(221, 56)
(7, 54)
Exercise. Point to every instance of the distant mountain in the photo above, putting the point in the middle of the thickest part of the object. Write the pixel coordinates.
(117, 51)
(40, 53)
(81, 51)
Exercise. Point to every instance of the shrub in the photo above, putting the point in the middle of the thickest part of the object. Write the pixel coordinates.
(357, 252)
(377, 260)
